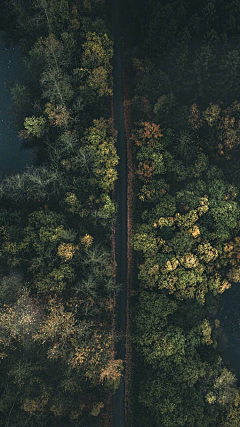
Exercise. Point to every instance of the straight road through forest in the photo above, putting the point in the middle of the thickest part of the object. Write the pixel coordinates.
(121, 199)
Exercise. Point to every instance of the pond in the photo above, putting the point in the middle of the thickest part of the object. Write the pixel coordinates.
(12, 159)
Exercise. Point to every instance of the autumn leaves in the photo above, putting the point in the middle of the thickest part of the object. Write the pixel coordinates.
(56, 217)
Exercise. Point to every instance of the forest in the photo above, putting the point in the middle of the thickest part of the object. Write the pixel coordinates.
(184, 63)
(57, 292)
(57, 272)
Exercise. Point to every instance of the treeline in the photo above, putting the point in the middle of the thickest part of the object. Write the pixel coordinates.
(185, 106)
(57, 275)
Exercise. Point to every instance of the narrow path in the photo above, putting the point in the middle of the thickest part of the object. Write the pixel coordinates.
(121, 199)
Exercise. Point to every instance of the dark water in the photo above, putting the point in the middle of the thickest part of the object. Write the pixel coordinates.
(12, 160)
(229, 316)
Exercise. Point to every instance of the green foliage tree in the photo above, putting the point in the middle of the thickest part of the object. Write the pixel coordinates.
(57, 342)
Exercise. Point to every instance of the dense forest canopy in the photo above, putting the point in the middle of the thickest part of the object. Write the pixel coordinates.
(58, 365)
(184, 62)
(57, 273)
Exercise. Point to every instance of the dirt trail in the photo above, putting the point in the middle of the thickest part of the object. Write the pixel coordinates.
(121, 199)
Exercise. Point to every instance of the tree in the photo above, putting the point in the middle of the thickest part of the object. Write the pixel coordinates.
(35, 184)
(99, 143)
(171, 402)
(56, 14)
(224, 389)
(35, 126)
(20, 321)
(83, 345)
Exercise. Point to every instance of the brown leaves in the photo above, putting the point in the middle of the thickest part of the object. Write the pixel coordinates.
(86, 241)
(145, 170)
(195, 120)
(232, 251)
(147, 135)
(112, 371)
(58, 116)
(58, 325)
(207, 253)
(38, 404)
(74, 21)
